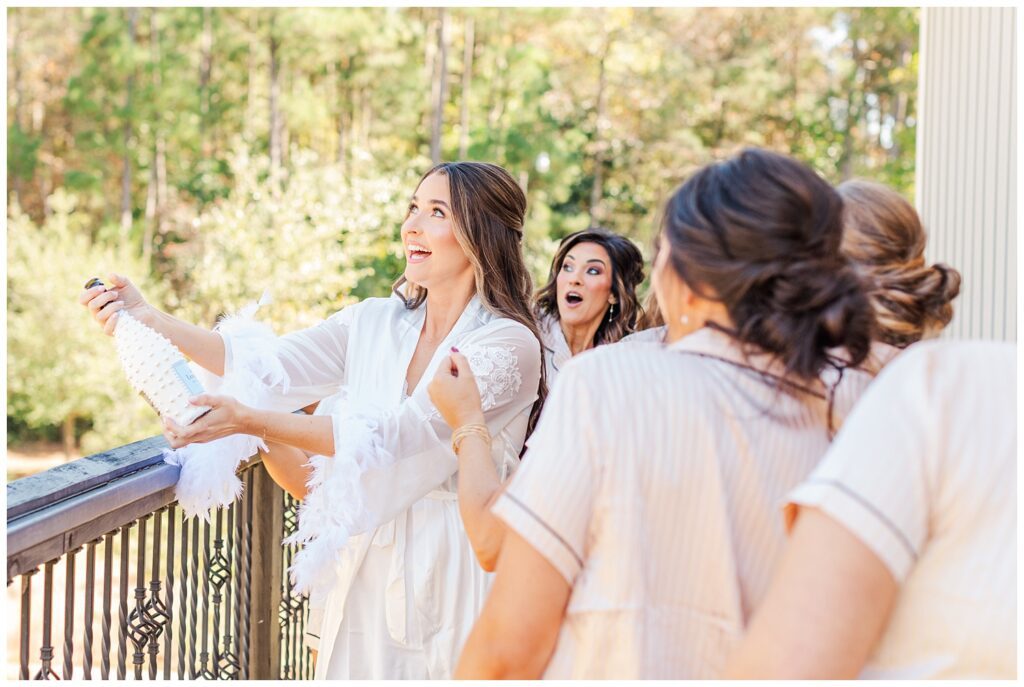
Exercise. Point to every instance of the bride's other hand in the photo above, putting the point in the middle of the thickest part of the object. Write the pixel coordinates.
(225, 417)
(454, 393)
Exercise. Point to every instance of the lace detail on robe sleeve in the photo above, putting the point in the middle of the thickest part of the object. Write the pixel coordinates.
(496, 369)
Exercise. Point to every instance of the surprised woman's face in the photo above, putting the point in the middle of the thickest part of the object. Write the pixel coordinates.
(432, 253)
(584, 285)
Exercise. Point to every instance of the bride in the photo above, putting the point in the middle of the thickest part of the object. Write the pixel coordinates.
(379, 523)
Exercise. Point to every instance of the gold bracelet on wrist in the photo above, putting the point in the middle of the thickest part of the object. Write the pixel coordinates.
(477, 428)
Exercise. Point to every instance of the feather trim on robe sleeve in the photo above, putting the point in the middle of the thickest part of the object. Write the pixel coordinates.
(208, 476)
(349, 493)
(334, 508)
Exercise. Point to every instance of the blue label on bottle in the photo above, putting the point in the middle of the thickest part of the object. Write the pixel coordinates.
(188, 377)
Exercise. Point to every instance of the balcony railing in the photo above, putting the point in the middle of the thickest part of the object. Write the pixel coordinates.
(146, 593)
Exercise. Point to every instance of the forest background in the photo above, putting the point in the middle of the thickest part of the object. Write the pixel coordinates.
(212, 153)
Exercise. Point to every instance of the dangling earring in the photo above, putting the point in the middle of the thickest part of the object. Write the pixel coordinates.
(611, 312)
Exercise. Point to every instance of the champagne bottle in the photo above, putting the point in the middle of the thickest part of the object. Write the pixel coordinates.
(156, 368)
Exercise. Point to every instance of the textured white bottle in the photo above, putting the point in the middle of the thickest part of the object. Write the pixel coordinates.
(156, 369)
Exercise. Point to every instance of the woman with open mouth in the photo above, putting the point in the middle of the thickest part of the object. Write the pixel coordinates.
(590, 298)
(382, 536)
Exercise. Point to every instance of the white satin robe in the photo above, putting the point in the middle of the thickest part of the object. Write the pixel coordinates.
(404, 590)
(556, 350)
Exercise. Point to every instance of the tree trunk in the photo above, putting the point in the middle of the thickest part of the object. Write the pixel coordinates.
(156, 199)
(45, 188)
(38, 115)
(852, 114)
(153, 192)
(205, 70)
(344, 95)
(250, 96)
(438, 90)
(367, 113)
(323, 138)
(898, 104)
(161, 181)
(14, 52)
(794, 100)
(429, 69)
(68, 435)
(357, 117)
(285, 135)
(597, 190)
(14, 61)
(467, 82)
(346, 111)
(344, 131)
(151, 201)
(126, 170)
(275, 95)
(499, 98)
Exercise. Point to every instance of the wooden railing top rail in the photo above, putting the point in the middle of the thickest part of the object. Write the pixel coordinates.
(61, 509)
(71, 479)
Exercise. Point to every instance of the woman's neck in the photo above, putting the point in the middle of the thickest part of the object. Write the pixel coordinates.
(717, 316)
(579, 337)
(444, 307)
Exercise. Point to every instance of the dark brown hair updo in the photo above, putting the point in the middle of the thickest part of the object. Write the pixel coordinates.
(884, 238)
(761, 233)
(627, 270)
(488, 212)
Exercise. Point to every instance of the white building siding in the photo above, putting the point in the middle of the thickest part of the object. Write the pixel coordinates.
(966, 161)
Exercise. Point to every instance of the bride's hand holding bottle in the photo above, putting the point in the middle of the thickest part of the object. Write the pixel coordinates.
(105, 302)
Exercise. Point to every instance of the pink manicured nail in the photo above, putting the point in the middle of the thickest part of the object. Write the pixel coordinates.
(455, 349)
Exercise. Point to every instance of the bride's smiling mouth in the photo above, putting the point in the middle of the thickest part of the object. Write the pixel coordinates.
(416, 252)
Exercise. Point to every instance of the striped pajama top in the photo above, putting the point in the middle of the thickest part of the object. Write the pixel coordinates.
(653, 483)
(925, 475)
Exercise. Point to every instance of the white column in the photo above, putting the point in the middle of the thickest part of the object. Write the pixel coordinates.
(966, 161)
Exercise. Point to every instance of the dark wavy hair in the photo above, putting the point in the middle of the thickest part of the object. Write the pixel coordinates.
(885, 240)
(761, 233)
(488, 212)
(627, 270)
(652, 316)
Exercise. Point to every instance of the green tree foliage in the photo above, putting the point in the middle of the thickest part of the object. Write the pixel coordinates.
(216, 152)
(316, 240)
(58, 365)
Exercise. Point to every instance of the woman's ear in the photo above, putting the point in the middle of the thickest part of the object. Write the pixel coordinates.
(689, 296)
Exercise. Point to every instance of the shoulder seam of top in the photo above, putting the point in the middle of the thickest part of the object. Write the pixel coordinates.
(900, 536)
(556, 535)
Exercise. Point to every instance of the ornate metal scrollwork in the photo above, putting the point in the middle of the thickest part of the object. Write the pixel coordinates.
(147, 620)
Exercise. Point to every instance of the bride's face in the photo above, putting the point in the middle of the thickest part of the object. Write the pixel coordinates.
(432, 253)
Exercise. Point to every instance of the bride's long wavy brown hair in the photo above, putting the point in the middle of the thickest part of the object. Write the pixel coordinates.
(488, 213)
